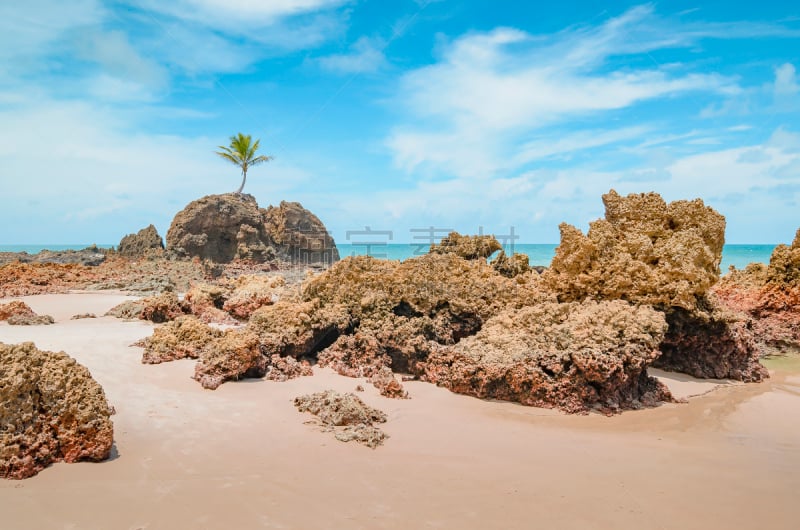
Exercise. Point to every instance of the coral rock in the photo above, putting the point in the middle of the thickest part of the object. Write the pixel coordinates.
(385, 381)
(184, 337)
(15, 308)
(161, 308)
(645, 251)
(51, 410)
(27, 320)
(234, 355)
(712, 343)
(770, 295)
(253, 292)
(346, 415)
(285, 368)
(573, 356)
(467, 247)
(511, 266)
(206, 301)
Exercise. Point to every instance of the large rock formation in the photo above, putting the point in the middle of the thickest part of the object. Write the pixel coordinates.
(573, 356)
(299, 236)
(645, 251)
(139, 244)
(223, 228)
(51, 410)
(666, 256)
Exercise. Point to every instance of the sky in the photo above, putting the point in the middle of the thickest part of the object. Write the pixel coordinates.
(476, 116)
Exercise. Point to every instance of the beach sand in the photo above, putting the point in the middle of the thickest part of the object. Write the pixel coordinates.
(243, 457)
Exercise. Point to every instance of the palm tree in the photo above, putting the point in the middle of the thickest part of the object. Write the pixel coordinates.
(243, 154)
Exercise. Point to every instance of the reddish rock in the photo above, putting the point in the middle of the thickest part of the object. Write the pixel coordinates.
(285, 368)
(234, 355)
(161, 308)
(770, 295)
(15, 308)
(51, 410)
(573, 356)
(252, 292)
(713, 343)
(205, 301)
(388, 385)
(185, 337)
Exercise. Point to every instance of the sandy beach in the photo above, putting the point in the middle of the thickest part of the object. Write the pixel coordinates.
(243, 457)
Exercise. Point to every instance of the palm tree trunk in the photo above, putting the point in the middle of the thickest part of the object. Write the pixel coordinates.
(244, 178)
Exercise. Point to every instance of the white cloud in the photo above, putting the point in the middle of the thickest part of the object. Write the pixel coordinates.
(365, 55)
(509, 83)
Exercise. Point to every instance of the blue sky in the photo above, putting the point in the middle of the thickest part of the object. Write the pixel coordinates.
(397, 115)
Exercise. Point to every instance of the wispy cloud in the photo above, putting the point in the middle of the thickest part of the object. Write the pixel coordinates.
(365, 55)
(510, 83)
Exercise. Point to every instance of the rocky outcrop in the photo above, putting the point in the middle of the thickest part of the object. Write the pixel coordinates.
(345, 415)
(251, 292)
(770, 295)
(15, 308)
(665, 256)
(228, 227)
(299, 236)
(234, 355)
(285, 368)
(161, 308)
(511, 266)
(387, 384)
(139, 244)
(184, 337)
(573, 356)
(18, 313)
(30, 320)
(467, 247)
(645, 251)
(711, 343)
(206, 300)
(221, 228)
(51, 410)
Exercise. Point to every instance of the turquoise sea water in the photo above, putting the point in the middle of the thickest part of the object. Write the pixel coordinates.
(539, 254)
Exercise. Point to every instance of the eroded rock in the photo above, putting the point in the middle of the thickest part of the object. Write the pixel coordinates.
(139, 244)
(234, 355)
(15, 308)
(51, 410)
(346, 415)
(221, 228)
(185, 337)
(299, 236)
(467, 247)
(645, 251)
(574, 356)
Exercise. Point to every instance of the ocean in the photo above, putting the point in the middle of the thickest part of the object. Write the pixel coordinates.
(539, 254)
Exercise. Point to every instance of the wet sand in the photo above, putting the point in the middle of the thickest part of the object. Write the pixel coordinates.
(242, 456)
